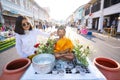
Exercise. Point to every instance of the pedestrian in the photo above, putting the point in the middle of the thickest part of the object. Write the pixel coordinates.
(84, 30)
(114, 27)
(79, 26)
(26, 36)
(40, 26)
(63, 46)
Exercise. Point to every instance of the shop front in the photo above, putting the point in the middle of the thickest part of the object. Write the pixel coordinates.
(9, 22)
(111, 24)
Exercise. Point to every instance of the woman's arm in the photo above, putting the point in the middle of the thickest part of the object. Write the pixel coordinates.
(45, 34)
(19, 46)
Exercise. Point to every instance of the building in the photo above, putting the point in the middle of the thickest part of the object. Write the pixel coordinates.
(70, 20)
(10, 9)
(100, 14)
(79, 14)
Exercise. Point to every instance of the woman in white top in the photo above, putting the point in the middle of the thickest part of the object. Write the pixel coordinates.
(26, 36)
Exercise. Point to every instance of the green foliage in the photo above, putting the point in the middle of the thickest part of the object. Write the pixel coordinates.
(47, 47)
(81, 53)
(7, 43)
(0, 25)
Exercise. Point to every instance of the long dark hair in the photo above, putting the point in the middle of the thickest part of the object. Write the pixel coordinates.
(18, 25)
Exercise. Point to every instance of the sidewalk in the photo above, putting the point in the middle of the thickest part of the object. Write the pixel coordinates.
(7, 56)
(97, 34)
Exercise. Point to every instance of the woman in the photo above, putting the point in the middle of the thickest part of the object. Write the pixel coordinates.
(26, 36)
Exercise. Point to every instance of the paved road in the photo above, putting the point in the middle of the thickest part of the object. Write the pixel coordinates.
(106, 48)
(100, 45)
(7, 56)
(103, 46)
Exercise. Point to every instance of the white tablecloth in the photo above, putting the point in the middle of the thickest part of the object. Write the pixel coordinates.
(94, 74)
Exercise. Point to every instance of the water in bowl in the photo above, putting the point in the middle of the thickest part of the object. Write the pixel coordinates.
(43, 61)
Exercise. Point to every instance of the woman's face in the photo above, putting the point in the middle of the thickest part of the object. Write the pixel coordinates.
(25, 24)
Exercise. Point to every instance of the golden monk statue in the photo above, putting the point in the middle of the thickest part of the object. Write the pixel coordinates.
(63, 46)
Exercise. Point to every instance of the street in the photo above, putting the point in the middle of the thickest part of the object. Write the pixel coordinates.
(100, 45)
(106, 47)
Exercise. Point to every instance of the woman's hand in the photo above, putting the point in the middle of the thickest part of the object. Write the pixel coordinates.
(31, 56)
(53, 33)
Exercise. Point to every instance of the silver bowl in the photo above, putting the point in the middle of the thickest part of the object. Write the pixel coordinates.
(43, 63)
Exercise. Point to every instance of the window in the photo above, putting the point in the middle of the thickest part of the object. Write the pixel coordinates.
(96, 6)
(87, 11)
(18, 2)
(107, 3)
(13, 1)
(24, 3)
(114, 2)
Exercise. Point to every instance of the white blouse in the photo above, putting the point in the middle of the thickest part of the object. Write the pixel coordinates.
(25, 43)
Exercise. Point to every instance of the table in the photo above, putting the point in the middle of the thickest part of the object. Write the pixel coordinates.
(108, 31)
(94, 74)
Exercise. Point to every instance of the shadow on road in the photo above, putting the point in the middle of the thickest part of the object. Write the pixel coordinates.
(91, 37)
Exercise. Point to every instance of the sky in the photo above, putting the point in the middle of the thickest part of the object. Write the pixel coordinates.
(61, 9)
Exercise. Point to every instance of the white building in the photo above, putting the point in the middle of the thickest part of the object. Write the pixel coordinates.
(99, 14)
(78, 13)
(13, 8)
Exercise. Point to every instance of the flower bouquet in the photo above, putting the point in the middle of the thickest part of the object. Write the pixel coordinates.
(43, 47)
(81, 53)
(47, 47)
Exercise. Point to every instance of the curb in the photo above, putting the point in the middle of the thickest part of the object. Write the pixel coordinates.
(105, 36)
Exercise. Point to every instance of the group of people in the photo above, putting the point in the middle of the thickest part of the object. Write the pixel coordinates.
(4, 27)
(26, 37)
(111, 27)
(42, 25)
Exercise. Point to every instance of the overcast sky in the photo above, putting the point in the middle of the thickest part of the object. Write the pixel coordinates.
(61, 9)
